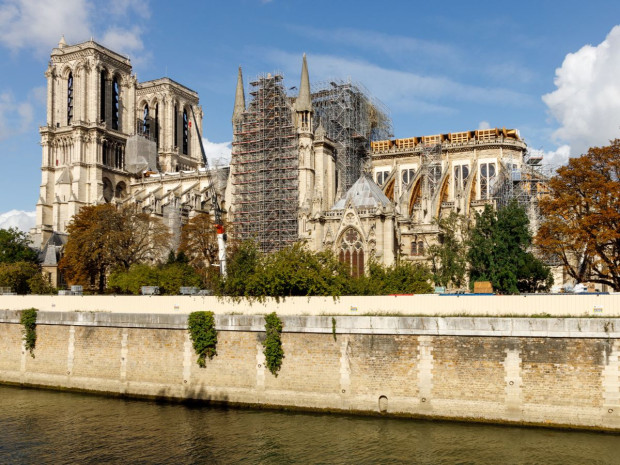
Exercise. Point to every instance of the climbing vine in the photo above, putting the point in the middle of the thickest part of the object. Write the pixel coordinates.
(273, 343)
(202, 331)
(334, 328)
(29, 321)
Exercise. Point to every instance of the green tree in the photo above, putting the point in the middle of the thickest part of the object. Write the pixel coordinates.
(498, 252)
(103, 238)
(169, 277)
(401, 278)
(449, 255)
(15, 247)
(19, 276)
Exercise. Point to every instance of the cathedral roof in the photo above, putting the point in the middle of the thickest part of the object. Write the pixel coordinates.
(364, 193)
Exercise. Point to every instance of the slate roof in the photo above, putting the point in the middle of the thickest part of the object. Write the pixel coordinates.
(364, 193)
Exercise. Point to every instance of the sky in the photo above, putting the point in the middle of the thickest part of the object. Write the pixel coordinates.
(547, 68)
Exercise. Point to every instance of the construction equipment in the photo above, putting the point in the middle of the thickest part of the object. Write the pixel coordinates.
(217, 211)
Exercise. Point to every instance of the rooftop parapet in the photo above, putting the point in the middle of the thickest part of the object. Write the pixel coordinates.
(464, 137)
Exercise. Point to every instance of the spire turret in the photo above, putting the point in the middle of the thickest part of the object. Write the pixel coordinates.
(304, 102)
(239, 99)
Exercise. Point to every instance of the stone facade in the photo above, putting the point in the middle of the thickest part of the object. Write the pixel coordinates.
(485, 374)
(110, 138)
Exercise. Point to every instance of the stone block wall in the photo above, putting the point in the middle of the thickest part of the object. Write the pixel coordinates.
(492, 371)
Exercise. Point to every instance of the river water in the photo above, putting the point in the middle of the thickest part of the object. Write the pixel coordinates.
(41, 427)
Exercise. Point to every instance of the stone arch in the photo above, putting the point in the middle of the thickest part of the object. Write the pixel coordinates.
(108, 190)
(350, 249)
(120, 192)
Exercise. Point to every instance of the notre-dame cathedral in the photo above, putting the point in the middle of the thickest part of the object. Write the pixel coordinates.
(321, 166)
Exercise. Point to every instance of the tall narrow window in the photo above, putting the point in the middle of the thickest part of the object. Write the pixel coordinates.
(487, 175)
(185, 132)
(102, 100)
(156, 128)
(176, 126)
(145, 121)
(352, 252)
(115, 103)
(434, 178)
(407, 175)
(70, 99)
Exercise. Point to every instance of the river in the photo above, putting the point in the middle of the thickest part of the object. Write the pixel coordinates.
(48, 427)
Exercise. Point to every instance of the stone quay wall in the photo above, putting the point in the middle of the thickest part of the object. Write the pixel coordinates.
(561, 372)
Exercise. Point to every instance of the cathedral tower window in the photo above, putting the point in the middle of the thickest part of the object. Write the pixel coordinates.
(156, 128)
(115, 103)
(351, 252)
(176, 126)
(102, 100)
(145, 121)
(185, 132)
(461, 173)
(70, 99)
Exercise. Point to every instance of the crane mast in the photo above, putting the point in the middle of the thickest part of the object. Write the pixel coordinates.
(217, 211)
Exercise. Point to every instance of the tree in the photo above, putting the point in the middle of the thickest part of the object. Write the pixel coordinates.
(449, 255)
(498, 252)
(401, 278)
(103, 237)
(15, 247)
(581, 216)
(169, 277)
(23, 278)
(199, 245)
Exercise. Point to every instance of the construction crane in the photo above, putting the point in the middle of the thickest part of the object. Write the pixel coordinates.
(217, 211)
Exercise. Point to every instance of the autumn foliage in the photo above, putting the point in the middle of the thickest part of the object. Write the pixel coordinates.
(104, 237)
(581, 223)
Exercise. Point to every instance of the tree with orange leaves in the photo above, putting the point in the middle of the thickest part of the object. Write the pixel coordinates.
(581, 223)
(103, 238)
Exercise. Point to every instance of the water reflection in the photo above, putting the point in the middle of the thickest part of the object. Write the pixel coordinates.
(54, 427)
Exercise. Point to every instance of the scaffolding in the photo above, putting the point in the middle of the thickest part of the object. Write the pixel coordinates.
(523, 182)
(264, 173)
(352, 119)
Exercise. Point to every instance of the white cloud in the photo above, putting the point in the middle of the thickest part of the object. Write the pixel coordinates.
(553, 158)
(40, 23)
(218, 153)
(15, 117)
(586, 102)
(484, 125)
(400, 90)
(124, 41)
(19, 219)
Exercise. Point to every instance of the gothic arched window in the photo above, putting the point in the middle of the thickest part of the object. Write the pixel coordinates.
(176, 126)
(102, 100)
(351, 252)
(185, 132)
(70, 99)
(115, 103)
(145, 120)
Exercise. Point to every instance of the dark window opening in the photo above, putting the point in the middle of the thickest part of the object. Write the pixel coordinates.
(156, 128)
(115, 103)
(176, 126)
(145, 121)
(102, 100)
(70, 99)
(185, 132)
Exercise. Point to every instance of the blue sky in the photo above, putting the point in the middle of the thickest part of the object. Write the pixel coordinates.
(548, 68)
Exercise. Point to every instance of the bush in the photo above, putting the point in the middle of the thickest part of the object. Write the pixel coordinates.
(202, 331)
(29, 321)
(273, 343)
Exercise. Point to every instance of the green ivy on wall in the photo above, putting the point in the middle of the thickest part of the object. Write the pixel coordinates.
(273, 343)
(202, 331)
(29, 321)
